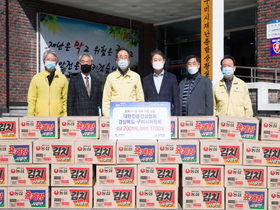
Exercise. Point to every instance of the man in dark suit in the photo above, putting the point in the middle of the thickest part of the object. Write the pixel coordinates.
(84, 92)
(196, 96)
(161, 85)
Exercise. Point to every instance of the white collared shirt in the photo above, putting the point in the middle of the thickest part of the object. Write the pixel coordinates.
(158, 80)
(84, 78)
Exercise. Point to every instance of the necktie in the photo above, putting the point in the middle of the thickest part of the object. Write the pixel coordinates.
(87, 85)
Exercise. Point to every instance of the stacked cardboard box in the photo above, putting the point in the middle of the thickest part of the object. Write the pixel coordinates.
(115, 186)
(269, 129)
(238, 128)
(208, 162)
(157, 186)
(9, 128)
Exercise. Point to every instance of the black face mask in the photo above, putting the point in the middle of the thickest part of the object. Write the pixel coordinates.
(85, 68)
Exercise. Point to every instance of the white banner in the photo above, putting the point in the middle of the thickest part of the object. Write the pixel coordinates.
(70, 38)
(140, 120)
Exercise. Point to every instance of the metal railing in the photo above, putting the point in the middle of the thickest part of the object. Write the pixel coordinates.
(254, 73)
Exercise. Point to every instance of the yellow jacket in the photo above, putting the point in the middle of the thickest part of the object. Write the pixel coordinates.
(127, 88)
(237, 102)
(45, 100)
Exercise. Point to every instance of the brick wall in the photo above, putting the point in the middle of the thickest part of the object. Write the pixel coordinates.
(22, 42)
(267, 10)
(254, 100)
(3, 64)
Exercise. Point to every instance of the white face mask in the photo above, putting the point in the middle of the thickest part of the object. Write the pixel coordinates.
(158, 65)
(192, 70)
(123, 64)
(227, 72)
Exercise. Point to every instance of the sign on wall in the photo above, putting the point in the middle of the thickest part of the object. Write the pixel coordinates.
(275, 47)
(206, 38)
(71, 38)
(140, 120)
(273, 29)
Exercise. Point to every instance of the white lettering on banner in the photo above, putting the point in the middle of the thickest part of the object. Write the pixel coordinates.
(70, 38)
(151, 121)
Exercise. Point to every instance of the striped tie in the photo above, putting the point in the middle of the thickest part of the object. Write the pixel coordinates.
(87, 85)
(186, 95)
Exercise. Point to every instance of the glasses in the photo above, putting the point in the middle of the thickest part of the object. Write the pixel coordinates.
(50, 59)
(227, 65)
(192, 63)
(123, 57)
(85, 62)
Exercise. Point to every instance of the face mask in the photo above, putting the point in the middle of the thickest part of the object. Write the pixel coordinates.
(158, 65)
(227, 72)
(123, 64)
(86, 68)
(50, 65)
(192, 70)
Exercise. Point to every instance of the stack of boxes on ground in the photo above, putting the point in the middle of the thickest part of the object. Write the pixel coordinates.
(208, 163)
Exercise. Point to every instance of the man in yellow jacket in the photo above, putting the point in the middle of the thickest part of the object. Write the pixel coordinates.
(122, 85)
(47, 94)
(231, 96)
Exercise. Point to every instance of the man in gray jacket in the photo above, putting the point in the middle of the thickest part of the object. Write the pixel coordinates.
(196, 96)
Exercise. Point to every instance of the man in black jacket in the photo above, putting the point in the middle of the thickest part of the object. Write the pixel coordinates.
(196, 96)
(84, 92)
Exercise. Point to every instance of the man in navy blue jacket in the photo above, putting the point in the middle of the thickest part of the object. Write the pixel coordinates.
(161, 85)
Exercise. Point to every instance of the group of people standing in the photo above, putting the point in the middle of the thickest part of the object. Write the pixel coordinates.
(50, 94)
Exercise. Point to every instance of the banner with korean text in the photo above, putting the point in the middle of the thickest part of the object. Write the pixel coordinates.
(140, 120)
(206, 38)
(70, 38)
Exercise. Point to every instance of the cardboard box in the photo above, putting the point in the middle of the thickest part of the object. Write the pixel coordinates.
(174, 127)
(104, 129)
(178, 151)
(28, 197)
(269, 128)
(246, 198)
(273, 177)
(238, 128)
(202, 175)
(53, 151)
(158, 175)
(95, 151)
(221, 152)
(3, 175)
(116, 175)
(157, 197)
(197, 127)
(71, 197)
(9, 128)
(79, 127)
(273, 197)
(136, 151)
(28, 175)
(245, 176)
(38, 127)
(203, 198)
(114, 197)
(266, 153)
(16, 151)
(3, 197)
(71, 175)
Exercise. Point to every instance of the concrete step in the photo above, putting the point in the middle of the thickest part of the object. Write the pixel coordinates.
(18, 108)
(16, 111)
(14, 114)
